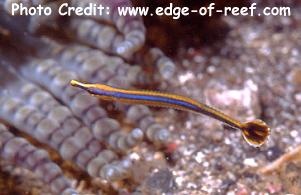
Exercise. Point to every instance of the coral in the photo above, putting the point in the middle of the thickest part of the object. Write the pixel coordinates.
(38, 114)
(37, 100)
(24, 154)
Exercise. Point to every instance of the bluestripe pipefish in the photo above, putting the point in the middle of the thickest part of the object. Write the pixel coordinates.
(254, 132)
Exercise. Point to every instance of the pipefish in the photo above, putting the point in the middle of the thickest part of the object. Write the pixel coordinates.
(254, 132)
